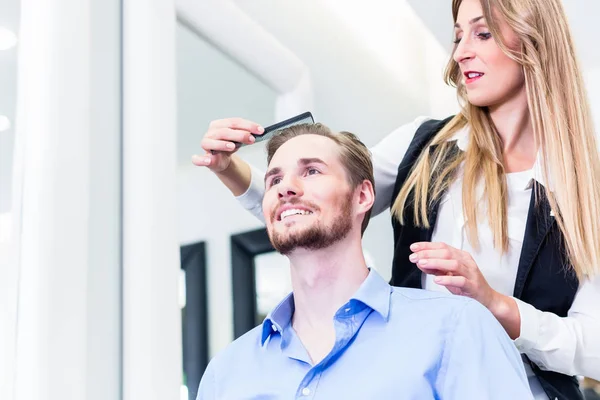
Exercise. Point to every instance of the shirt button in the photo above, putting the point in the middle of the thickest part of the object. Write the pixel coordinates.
(306, 392)
(347, 309)
(274, 328)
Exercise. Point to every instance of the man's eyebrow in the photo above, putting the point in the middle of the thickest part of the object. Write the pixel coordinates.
(302, 161)
(471, 22)
(271, 172)
(313, 160)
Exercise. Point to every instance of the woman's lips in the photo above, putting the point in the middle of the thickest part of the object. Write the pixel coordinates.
(472, 76)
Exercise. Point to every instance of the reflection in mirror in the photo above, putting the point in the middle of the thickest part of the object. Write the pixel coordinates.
(211, 85)
(273, 282)
(193, 304)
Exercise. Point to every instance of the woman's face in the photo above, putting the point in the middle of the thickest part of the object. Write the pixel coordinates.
(490, 76)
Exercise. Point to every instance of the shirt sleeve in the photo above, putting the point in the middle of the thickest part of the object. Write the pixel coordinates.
(480, 361)
(387, 156)
(569, 345)
(252, 198)
(207, 389)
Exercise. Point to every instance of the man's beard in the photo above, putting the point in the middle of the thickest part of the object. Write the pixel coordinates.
(317, 236)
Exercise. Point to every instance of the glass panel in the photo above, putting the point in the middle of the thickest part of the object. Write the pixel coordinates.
(273, 282)
(211, 86)
(9, 25)
(9, 19)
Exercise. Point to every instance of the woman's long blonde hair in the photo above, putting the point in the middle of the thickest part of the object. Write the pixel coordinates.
(562, 126)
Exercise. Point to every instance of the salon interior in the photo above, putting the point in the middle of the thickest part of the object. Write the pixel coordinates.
(124, 268)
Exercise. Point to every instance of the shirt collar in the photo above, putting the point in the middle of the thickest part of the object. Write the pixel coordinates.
(279, 318)
(535, 174)
(374, 293)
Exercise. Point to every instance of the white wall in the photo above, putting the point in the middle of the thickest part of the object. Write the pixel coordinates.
(592, 80)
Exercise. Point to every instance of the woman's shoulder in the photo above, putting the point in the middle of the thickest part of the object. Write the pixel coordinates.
(411, 128)
(405, 134)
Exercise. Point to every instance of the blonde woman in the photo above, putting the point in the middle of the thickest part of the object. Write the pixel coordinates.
(501, 202)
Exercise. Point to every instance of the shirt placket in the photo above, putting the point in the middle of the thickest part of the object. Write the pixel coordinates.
(347, 323)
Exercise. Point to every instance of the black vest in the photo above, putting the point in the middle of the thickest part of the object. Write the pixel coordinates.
(544, 278)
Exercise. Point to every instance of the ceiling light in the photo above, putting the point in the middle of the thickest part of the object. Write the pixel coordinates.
(8, 39)
(4, 123)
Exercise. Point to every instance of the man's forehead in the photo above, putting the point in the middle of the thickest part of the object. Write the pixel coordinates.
(306, 147)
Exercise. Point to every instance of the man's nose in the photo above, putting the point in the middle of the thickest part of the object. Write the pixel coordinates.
(289, 187)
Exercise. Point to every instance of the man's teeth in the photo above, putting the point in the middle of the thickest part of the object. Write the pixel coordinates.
(474, 74)
(294, 211)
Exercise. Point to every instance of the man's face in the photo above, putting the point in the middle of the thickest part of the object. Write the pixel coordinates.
(308, 201)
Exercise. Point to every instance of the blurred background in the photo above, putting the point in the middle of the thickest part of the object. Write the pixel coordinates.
(117, 255)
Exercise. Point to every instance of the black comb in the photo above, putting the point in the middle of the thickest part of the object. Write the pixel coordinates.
(270, 131)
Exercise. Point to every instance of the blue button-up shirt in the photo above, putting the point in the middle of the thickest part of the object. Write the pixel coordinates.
(391, 343)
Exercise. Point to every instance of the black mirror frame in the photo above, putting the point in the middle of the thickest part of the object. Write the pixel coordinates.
(244, 249)
(194, 315)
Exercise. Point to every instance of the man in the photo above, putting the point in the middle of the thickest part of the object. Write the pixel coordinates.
(344, 333)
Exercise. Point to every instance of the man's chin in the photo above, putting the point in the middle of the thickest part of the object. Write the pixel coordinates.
(293, 238)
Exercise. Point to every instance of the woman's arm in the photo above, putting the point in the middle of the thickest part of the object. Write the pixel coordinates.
(569, 345)
(237, 176)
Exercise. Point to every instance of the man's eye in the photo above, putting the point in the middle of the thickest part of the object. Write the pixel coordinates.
(275, 181)
(312, 171)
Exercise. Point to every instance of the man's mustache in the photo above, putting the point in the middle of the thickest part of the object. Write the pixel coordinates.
(296, 202)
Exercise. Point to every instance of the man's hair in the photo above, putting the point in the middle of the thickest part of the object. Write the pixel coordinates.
(354, 155)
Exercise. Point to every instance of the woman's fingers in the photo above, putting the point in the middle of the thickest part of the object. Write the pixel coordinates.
(201, 161)
(238, 124)
(418, 246)
(458, 282)
(442, 254)
(439, 267)
(224, 139)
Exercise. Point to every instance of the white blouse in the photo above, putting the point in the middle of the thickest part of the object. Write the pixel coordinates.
(569, 345)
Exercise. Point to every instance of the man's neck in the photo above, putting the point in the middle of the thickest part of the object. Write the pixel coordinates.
(322, 282)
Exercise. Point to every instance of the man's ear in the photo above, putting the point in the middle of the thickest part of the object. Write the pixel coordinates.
(366, 196)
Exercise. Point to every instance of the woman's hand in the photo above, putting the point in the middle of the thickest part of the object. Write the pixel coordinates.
(220, 139)
(219, 142)
(457, 271)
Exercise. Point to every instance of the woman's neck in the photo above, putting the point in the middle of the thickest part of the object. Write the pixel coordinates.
(513, 123)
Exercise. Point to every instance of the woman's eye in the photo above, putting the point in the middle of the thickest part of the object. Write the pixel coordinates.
(457, 40)
(484, 35)
(312, 171)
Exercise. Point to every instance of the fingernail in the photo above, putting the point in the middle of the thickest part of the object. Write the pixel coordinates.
(251, 139)
(413, 257)
(437, 279)
(422, 262)
(414, 247)
(206, 160)
(230, 146)
(260, 129)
